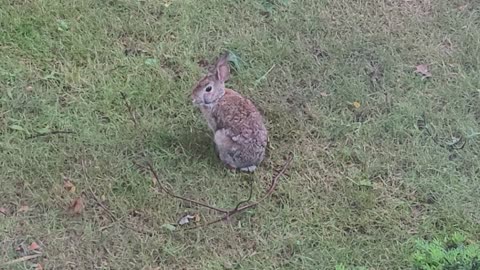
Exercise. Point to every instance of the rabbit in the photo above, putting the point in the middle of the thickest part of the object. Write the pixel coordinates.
(240, 135)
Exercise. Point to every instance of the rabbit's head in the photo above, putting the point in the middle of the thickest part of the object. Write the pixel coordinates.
(212, 87)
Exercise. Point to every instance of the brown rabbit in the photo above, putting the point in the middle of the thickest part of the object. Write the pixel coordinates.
(240, 135)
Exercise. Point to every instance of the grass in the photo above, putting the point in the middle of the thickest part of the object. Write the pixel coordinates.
(365, 182)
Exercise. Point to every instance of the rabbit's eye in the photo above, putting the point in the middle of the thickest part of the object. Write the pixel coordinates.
(208, 89)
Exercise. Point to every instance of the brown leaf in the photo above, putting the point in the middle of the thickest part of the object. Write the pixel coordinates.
(423, 70)
(38, 267)
(77, 206)
(68, 185)
(33, 246)
(196, 218)
(356, 104)
(23, 208)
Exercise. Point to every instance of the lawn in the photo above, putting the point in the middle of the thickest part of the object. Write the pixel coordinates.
(383, 155)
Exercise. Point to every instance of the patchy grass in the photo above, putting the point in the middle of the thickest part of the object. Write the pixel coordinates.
(365, 183)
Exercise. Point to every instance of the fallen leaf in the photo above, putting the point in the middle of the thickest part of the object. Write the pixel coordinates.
(68, 185)
(38, 267)
(324, 94)
(196, 217)
(29, 88)
(23, 208)
(356, 104)
(4, 211)
(169, 227)
(185, 219)
(77, 206)
(33, 246)
(423, 70)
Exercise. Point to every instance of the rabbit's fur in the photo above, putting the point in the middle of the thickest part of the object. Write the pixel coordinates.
(240, 135)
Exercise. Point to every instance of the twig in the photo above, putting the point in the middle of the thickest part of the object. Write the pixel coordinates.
(238, 209)
(22, 259)
(114, 218)
(55, 132)
(170, 193)
(249, 196)
(97, 200)
(273, 185)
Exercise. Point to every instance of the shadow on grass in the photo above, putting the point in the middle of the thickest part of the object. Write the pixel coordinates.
(184, 146)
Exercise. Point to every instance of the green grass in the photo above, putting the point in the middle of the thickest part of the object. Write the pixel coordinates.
(365, 182)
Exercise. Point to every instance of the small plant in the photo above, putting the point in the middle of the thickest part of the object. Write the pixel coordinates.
(451, 253)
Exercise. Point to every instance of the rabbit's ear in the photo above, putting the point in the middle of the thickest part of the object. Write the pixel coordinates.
(222, 71)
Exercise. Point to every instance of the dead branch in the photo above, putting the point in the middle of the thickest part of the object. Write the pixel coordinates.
(238, 209)
(170, 193)
(112, 216)
(249, 196)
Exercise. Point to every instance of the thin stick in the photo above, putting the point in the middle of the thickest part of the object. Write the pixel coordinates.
(237, 209)
(157, 180)
(249, 196)
(272, 186)
(97, 200)
(114, 218)
(22, 259)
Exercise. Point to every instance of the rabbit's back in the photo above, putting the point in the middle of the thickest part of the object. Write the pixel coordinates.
(240, 135)
(240, 116)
